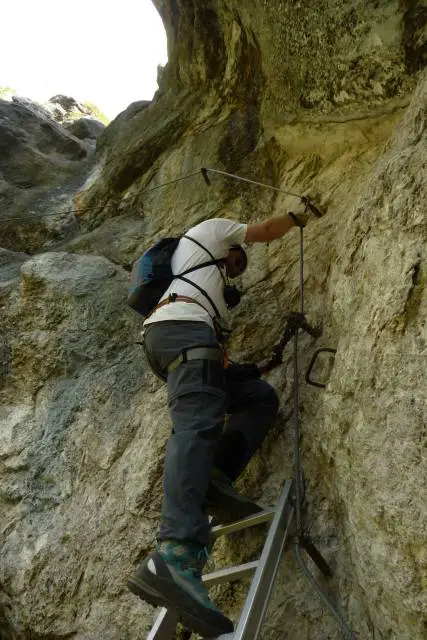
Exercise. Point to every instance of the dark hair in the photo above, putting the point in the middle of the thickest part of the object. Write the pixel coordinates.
(238, 247)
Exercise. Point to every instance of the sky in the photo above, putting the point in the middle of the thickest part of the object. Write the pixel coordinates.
(95, 50)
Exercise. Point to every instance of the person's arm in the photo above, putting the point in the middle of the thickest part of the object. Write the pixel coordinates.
(270, 229)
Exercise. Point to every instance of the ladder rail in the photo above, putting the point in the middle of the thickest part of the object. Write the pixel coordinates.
(258, 596)
(165, 626)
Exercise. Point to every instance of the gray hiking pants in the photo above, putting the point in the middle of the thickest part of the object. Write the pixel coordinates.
(199, 397)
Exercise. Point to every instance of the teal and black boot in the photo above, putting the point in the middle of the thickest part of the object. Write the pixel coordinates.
(171, 577)
(224, 503)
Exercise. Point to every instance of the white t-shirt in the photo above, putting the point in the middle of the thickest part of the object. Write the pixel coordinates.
(217, 235)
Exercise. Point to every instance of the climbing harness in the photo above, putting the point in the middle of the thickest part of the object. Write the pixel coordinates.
(199, 352)
(196, 353)
(286, 517)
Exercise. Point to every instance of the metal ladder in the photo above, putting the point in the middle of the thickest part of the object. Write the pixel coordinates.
(264, 570)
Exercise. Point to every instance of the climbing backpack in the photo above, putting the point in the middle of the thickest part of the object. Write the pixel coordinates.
(152, 275)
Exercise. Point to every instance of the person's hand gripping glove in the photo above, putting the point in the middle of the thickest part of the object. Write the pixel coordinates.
(242, 371)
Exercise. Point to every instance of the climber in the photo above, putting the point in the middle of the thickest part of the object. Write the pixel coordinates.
(182, 339)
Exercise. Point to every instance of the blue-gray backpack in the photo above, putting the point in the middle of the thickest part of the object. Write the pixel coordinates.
(152, 275)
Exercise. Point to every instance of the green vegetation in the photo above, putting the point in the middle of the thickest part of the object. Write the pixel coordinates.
(4, 91)
(96, 112)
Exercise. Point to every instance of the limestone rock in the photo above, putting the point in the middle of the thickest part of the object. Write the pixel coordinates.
(7, 632)
(316, 98)
(415, 33)
(66, 107)
(85, 128)
(41, 166)
(40, 131)
(10, 263)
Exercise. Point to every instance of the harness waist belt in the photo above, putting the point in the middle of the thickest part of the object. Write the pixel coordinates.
(173, 297)
(196, 353)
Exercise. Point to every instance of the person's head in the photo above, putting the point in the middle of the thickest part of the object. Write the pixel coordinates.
(236, 261)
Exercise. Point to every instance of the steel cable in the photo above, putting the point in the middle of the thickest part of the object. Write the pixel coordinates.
(202, 170)
(348, 634)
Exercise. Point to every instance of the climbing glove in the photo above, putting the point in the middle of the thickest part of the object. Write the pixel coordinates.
(300, 219)
(245, 371)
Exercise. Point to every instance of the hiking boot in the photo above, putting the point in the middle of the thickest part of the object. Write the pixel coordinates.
(224, 503)
(170, 576)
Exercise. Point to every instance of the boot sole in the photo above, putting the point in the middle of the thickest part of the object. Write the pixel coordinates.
(146, 593)
(189, 612)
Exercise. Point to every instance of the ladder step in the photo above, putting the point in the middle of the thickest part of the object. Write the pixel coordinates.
(230, 573)
(250, 521)
(165, 625)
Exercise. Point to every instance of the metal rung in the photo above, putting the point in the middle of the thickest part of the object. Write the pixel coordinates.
(258, 518)
(265, 569)
(230, 573)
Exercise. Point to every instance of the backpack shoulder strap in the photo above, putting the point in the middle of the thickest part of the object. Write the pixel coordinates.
(209, 263)
(202, 291)
(214, 260)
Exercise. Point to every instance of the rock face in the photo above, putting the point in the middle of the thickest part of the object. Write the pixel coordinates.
(85, 128)
(65, 107)
(79, 119)
(41, 166)
(317, 98)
